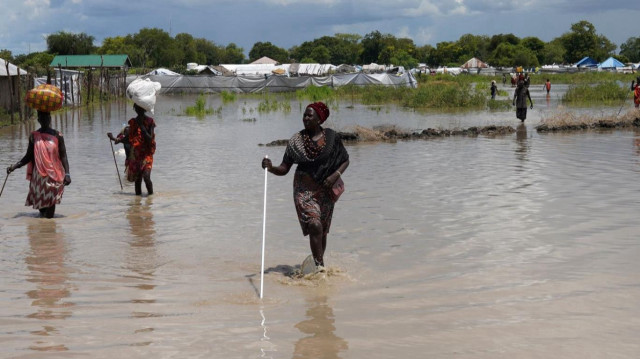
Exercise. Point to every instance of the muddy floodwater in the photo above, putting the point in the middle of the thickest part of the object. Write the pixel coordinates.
(516, 246)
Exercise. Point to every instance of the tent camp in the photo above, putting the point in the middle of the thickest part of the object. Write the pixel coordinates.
(610, 63)
(586, 62)
(265, 61)
(9, 84)
(474, 63)
(163, 71)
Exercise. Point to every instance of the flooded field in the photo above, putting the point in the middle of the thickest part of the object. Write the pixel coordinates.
(518, 246)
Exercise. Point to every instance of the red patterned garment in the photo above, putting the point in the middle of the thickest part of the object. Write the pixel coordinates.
(141, 156)
(45, 172)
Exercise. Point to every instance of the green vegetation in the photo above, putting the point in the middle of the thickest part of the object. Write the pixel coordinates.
(227, 96)
(271, 103)
(199, 109)
(602, 93)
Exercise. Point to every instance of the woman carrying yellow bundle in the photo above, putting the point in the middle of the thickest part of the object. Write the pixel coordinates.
(46, 157)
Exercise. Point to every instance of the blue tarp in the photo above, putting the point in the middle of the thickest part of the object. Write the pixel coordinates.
(587, 62)
(610, 63)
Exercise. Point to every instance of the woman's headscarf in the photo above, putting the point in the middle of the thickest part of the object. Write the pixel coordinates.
(321, 109)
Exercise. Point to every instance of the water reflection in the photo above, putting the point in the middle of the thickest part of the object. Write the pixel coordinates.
(521, 140)
(141, 258)
(321, 341)
(47, 270)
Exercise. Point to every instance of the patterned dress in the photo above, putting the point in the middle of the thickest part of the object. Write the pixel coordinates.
(316, 161)
(45, 172)
(141, 154)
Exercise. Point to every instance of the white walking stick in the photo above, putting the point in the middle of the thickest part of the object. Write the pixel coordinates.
(264, 227)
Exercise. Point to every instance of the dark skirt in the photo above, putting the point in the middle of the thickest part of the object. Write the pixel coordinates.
(521, 113)
(312, 201)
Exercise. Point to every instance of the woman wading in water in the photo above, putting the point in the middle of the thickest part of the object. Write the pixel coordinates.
(321, 159)
(48, 170)
(142, 140)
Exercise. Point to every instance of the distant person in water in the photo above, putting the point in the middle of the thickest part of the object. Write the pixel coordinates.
(504, 79)
(48, 168)
(635, 87)
(547, 86)
(123, 137)
(321, 160)
(494, 90)
(520, 100)
(142, 139)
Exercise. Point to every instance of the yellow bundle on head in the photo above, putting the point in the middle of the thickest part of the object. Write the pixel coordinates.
(45, 98)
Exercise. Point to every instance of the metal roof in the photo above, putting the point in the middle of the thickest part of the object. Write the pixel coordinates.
(118, 61)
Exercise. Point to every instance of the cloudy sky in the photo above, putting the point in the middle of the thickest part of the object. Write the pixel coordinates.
(25, 23)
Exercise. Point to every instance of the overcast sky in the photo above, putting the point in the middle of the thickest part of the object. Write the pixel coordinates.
(25, 23)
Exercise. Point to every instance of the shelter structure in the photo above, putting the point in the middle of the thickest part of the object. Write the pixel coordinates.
(252, 84)
(264, 60)
(10, 85)
(610, 63)
(111, 79)
(474, 63)
(586, 62)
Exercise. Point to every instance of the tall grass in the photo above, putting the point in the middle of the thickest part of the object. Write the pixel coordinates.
(608, 92)
(227, 96)
(199, 109)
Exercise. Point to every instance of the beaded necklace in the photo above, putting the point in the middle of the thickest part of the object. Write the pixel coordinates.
(312, 147)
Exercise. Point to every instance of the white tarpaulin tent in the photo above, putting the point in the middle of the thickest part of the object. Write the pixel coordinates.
(13, 69)
(163, 71)
(249, 84)
(474, 63)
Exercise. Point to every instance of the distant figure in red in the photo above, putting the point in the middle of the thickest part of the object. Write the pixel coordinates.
(635, 87)
(143, 145)
(547, 86)
(513, 81)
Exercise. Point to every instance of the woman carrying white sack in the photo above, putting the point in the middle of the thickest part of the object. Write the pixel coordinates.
(141, 134)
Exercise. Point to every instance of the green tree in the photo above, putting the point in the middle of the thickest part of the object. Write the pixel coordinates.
(536, 45)
(372, 45)
(38, 60)
(233, 54)
(472, 46)
(157, 47)
(553, 53)
(385, 55)
(631, 49)
(270, 50)
(188, 48)
(321, 54)
(213, 54)
(6, 55)
(423, 53)
(402, 58)
(583, 41)
(67, 43)
(496, 40)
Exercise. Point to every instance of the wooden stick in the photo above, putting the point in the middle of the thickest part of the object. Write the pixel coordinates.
(5, 182)
(116, 162)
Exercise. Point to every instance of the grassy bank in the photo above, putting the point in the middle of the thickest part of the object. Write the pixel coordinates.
(569, 121)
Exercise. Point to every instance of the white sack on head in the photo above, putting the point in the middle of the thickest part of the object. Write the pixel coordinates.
(143, 93)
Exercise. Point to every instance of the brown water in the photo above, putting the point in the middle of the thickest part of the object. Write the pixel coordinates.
(523, 246)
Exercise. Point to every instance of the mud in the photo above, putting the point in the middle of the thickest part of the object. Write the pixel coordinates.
(391, 133)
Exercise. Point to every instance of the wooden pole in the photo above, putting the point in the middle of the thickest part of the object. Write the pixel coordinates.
(10, 84)
(19, 96)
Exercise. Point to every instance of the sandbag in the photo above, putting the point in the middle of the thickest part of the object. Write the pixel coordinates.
(45, 98)
(143, 93)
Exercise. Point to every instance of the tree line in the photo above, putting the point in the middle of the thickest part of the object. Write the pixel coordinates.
(153, 47)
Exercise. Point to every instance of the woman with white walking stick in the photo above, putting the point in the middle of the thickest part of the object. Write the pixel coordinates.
(322, 159)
